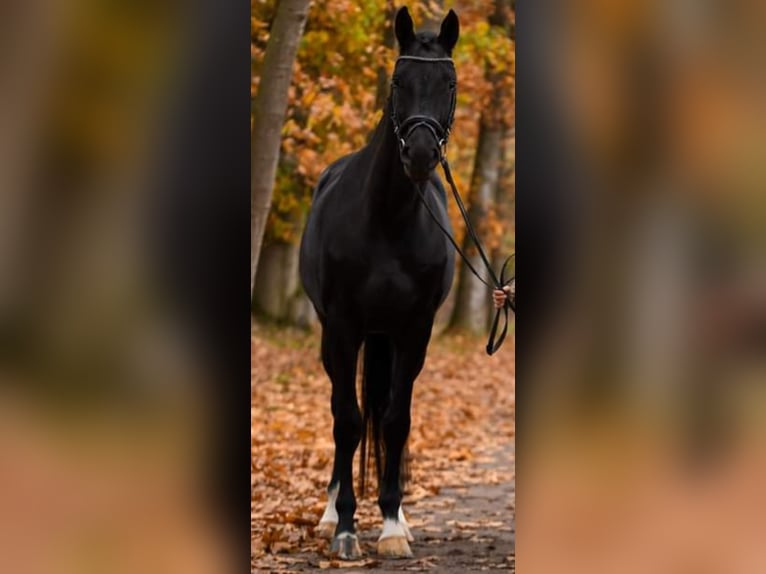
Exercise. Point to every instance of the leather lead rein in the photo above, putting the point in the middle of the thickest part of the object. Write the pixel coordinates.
(494, 282)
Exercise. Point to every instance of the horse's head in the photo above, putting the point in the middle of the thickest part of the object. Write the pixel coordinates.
(423, 91)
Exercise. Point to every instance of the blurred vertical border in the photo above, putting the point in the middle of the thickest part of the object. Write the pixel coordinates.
(124, 233)
(641, 322)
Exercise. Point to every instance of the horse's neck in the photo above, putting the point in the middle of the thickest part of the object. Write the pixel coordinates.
(389, 189)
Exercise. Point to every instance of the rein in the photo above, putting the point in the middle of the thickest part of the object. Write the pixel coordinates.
(441, 135)
(494, 282)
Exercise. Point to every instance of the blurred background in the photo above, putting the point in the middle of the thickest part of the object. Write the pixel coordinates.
(641, 330)
(119, 184)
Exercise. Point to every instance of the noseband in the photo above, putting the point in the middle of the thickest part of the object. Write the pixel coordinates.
(403, 130)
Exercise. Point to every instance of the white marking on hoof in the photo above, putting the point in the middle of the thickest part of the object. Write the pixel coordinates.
(394, 547)
(405, 525)
(346, 546)
(329, 520)
(392, 529)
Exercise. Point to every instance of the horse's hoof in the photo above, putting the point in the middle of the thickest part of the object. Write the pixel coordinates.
(325, 530)
(394, 547)
(346, 546)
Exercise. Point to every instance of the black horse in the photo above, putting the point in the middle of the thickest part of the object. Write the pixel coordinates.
(377, 267)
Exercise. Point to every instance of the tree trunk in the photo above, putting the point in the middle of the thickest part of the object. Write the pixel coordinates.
(274, 281)
(472, 295)
(504, 206)
(388, 41)
(269, 114)
(32, 33)
(278, 294)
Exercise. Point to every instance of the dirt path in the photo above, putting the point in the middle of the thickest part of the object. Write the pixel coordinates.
(464, 529)
(460, 502)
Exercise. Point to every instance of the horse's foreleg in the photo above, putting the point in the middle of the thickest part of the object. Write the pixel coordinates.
(396, 426)
(329, 521)
(409, 358)
(339, 355)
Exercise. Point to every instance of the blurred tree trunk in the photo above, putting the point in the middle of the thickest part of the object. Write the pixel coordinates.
(278, 294)
(388, 42)
(277, 285)
(275, 280)
(269, 114)
(473, 297)
(504, 205)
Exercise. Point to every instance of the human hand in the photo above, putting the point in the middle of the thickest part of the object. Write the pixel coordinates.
(499, 296)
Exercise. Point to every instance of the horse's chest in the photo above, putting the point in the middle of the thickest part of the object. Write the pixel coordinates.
(403, 281)
(391, 277)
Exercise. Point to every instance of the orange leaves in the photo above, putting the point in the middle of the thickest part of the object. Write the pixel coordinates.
(492, 228)
(308, 165)
(308, 97)
(462, 454)
(460, 442)
(332, 106)
(366, 563)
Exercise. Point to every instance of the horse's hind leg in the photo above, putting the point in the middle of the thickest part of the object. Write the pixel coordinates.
(340, 347)
(409, 355)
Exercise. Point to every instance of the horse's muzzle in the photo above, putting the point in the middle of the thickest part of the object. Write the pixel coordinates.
(419, 162)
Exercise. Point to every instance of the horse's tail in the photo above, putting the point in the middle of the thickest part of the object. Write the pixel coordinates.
(376, 387)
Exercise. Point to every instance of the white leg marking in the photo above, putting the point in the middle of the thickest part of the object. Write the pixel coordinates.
(396, 527)
(329, 520)
(392, 529)
(405, 525)
(330, 514)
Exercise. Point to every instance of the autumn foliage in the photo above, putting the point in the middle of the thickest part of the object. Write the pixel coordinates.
(332, 100)
(460, 496)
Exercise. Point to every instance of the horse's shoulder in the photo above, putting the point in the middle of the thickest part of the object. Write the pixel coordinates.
(330, 173)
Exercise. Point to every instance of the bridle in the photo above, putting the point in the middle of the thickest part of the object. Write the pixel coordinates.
(402, 131)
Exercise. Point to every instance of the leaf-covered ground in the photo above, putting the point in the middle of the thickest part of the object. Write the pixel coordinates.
(460, 499)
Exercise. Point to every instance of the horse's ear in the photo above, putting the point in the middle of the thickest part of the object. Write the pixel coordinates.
(450, 31)
(405, 32)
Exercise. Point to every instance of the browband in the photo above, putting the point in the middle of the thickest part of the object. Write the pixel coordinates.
(422, 59)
